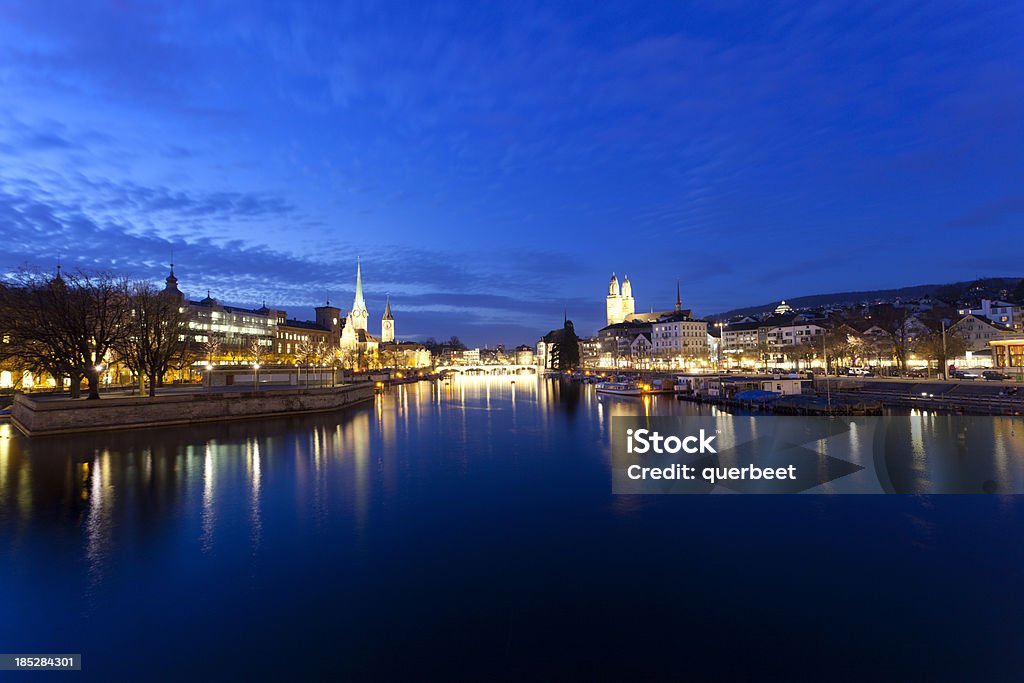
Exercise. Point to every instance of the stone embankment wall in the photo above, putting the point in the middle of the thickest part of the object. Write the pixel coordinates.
(62, 416)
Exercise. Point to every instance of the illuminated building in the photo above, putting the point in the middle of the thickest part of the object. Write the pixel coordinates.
(1008, 353)
(355, 337)
(235, 329)
(387, 324)
(620, 304)
(976, 330)
(999, 312)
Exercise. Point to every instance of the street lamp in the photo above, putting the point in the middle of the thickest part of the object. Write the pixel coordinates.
(209, 375)
(721, 342)
(256, 376)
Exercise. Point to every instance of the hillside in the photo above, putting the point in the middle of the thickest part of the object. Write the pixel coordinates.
(968, 293)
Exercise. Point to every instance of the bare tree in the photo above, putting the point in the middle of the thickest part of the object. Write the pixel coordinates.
(156, 337)
(896, 322)
(256, 350)
(306, 354)
(67, 324)
(212, 348)
(933, 347)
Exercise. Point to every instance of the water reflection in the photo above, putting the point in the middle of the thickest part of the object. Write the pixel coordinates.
(208, 490)
(98, 519)
(462, 511)
(210, 485)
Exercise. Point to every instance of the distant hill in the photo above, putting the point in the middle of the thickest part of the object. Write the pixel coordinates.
(954, 293)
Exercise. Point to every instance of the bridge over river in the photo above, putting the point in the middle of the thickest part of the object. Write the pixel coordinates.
(486, 369)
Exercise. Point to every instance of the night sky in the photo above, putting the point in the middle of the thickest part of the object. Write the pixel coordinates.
(492, 164)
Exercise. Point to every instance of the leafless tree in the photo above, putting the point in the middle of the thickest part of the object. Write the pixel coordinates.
(66, 324)
(156, 337)
(212, 347)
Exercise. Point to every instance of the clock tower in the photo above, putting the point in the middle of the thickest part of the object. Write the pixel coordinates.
(387, 324)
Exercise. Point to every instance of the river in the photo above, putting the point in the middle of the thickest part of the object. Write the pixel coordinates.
(468, 529)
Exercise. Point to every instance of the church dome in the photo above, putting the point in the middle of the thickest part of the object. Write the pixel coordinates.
(627, 288)
(613, 286)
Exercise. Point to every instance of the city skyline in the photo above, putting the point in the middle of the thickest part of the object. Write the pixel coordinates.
(493, 167)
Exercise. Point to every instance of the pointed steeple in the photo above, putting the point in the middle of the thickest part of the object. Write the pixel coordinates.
(358, 315)
(358, 304)
(387, 310)
(679, 300)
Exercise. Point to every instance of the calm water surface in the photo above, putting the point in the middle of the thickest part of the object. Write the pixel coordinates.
(469, 530)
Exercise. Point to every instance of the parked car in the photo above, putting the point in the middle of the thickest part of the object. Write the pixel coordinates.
(963, 374)
(996, 375)
(919, 372)
(859, 372)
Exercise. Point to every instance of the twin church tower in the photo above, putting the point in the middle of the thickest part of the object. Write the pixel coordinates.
(620, 304)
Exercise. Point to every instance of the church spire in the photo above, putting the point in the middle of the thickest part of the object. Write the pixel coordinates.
(387, 310)
(679, 300)
(358, 304)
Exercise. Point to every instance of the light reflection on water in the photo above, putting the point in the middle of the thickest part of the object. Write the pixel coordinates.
(471, 489)
(343, 463)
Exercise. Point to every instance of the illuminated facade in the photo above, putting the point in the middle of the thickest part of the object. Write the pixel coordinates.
(1008, 353)
(355, 335)
(234, 329)
(977, 331)
(387, 324)
(620, 304)
(680, 336)
(999, 312)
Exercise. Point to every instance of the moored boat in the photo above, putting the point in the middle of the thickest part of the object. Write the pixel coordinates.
(620, 388)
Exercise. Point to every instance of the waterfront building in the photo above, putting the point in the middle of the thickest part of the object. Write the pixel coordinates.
(234, 329)
(661, 338)
(999, 313)
(619, 305)
(977, 330)
(618, 342)
(356, 339)
(739, 338)
(294, 339)
(413, 355)
(590, 352)
(679, 337)
(524, 355)
(1008, 352)
(713, 335)
(788, 329)
(544, 357)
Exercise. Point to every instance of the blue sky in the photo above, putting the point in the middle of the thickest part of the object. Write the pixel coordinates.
(492, 163)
